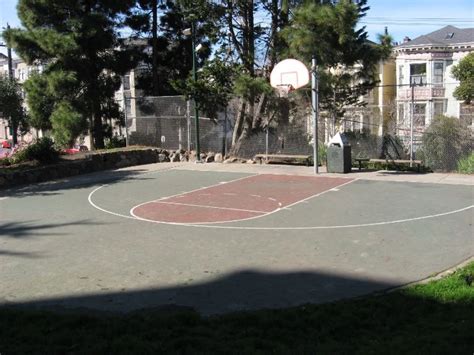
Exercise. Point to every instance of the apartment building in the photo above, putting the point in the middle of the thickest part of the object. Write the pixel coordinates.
(425, 84)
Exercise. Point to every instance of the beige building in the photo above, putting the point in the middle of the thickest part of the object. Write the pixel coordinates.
(424, 79)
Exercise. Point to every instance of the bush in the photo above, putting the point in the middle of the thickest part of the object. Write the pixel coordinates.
(42, 150)
(115, 142)
(445, 142)
(322, 154)
(466, 165)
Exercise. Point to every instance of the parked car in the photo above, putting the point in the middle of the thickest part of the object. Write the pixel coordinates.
(6, 145)
(76, 149)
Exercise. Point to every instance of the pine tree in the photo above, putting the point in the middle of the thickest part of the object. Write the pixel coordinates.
(83, 57)
(346, 58)
(161, 24)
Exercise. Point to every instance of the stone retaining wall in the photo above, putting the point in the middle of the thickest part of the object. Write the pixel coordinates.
(87, 163)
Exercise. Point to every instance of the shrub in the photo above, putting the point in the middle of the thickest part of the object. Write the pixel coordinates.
(322, 154)
(42, 150)
(444, 142)
(466, 164)
(115, 142)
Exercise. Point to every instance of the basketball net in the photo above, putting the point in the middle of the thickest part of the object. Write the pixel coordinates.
(284, 90)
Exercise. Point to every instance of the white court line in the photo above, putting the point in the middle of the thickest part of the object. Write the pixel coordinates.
(363, 225)
(3, 198)
(205, 206)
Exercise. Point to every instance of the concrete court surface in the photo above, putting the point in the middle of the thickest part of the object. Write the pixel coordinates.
(76, 243)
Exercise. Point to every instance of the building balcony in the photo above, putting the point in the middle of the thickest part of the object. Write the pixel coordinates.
(421, 93)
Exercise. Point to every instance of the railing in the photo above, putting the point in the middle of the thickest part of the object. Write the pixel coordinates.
(422, 92)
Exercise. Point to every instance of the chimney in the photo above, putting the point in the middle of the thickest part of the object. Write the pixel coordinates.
(406, 39)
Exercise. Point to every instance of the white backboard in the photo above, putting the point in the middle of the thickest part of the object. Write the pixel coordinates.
(289, 72)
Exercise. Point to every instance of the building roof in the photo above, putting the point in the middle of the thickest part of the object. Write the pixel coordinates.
(446, 36)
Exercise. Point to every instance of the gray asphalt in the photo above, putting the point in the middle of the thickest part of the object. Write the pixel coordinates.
(58, 250)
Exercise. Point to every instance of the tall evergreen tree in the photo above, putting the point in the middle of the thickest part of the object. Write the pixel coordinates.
(161, 24)
(83, 57)
(346, 58)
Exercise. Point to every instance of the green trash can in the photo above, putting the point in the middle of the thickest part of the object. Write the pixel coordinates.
(339, 158)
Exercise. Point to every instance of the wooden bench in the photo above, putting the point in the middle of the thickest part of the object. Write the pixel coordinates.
(418, 163)
(360, 161)
(283, 158)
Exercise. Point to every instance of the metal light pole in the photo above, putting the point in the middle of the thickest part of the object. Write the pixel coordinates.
(412, 114)
(314, 103)
(196, 111)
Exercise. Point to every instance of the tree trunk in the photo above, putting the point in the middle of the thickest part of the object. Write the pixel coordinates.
(98, 132)
(239, 123)
(257, 117)
(14, 132)
(155, 47)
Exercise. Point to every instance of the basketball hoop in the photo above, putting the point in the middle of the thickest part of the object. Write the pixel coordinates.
(284, 89)
(289, 75)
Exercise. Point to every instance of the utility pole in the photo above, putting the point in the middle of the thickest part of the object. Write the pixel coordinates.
(412, 114)
(10, 61)
(196, 111)
(314, 101)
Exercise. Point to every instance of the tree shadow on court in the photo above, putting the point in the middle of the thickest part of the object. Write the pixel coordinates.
(397, 322)
(84, 181)
(19, 254)
(30, 229)
(33, 229)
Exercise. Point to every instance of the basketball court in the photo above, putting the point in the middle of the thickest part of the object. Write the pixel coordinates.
(221, 239)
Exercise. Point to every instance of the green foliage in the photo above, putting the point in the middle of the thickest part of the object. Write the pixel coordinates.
(212, 89)
(67, 124)
(347, 61)
(250, 87)
(322, 154)
(445, 142)
(40, 101)
(42, 150)
(11, 105)
(466, 164)
(115, 142)
(171, 44)
(464, 72)
(78, 41)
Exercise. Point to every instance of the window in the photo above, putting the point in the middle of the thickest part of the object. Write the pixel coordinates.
(419, 114)
(400, 74)
(401, 114)
(418, 74)
(128, 104)
(467, 113)
(438, 108)
(126, 82)
(438, 73)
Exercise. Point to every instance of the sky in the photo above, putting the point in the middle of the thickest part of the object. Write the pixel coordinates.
(410, 18)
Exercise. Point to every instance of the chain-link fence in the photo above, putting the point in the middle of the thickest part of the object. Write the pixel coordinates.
(169, 122)
(287, 128)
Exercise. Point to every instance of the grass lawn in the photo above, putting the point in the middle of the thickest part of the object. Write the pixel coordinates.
(435, 318)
